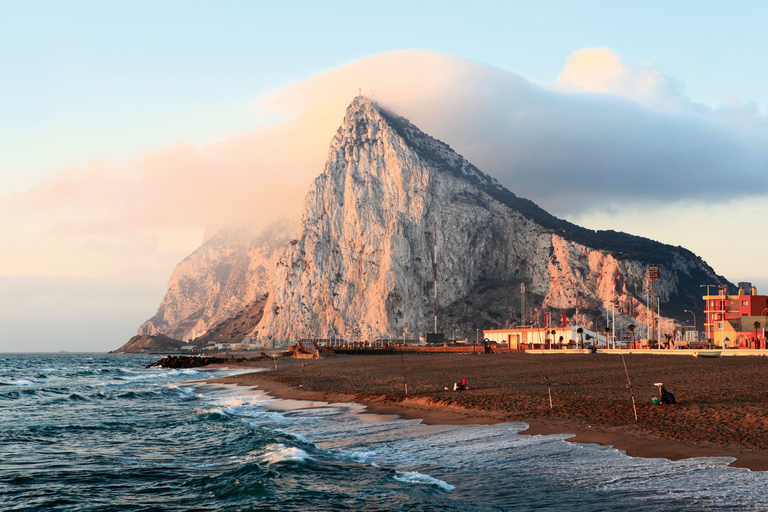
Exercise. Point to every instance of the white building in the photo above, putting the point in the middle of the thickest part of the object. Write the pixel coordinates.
(520, 338)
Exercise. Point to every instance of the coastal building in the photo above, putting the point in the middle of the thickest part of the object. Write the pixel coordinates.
(525, 337)
(736, 321)
(689, 336)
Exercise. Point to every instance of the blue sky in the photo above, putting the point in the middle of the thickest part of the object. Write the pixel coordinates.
(93, 90)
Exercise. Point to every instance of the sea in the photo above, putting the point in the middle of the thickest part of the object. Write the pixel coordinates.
(102, 432)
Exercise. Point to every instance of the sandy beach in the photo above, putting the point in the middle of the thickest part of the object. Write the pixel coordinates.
(721, 410)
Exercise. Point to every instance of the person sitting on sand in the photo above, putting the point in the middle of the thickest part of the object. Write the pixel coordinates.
(666, 396)
(462, 386)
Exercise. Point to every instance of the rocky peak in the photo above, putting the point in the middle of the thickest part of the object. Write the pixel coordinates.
(364, 119)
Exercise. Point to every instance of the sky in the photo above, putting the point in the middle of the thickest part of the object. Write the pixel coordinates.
(128, 128)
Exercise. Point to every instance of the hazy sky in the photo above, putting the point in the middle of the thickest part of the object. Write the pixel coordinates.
(126, 128)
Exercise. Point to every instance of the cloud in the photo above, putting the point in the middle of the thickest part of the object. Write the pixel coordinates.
(601, 70)
(607, 135)
(565, 146)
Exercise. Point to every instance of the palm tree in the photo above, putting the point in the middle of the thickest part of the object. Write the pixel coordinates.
(631, 328)
(669, 339)
(589, 337)
(606, 331)
(580, 331)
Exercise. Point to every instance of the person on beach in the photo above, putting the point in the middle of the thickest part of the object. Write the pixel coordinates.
(462, 386)
(666, 396)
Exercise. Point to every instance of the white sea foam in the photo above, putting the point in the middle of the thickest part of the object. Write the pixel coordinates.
(413, 477)
(363, 457)
(181, 372)
(20, 382)
(184, 391)
(152, 376)
(281, 453)
(141, 377)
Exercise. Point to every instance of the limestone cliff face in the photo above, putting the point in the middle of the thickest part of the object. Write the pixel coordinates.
(229, 271)
(362, 265)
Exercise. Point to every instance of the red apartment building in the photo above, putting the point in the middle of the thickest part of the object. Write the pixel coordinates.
(730, 319)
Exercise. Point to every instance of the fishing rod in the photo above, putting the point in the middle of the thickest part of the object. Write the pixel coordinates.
(546, 372)
(629, 385)
(404, 379)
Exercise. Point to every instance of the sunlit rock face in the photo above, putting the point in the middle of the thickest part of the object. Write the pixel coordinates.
(363, 263)
(359, 265)
(229, 271)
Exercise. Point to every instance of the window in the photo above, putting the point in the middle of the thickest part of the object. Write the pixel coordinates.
(745, 303)
(720, 325)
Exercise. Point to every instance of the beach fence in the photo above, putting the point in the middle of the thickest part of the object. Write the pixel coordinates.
(433, 349)
(375, 347)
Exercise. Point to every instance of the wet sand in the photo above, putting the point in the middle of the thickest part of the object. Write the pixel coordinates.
(721, 410)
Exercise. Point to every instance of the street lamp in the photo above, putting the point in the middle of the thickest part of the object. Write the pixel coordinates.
(597, 340)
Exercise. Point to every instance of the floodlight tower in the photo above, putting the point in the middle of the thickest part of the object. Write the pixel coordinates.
(652, 273)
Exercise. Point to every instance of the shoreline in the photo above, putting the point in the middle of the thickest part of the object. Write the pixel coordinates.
(637, 445)
(316, 381)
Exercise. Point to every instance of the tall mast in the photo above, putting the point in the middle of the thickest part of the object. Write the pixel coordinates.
(435, 279)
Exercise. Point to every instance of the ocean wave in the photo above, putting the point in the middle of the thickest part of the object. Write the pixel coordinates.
(298, 437)
(216, 414)
(414, 477)
(363, 457)
(140, 377)
(258, 419)
(86, 371)
(153, 376)
(281, 453)
(138, 394)
(20, 382)
(182, 372)
(183, 392)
